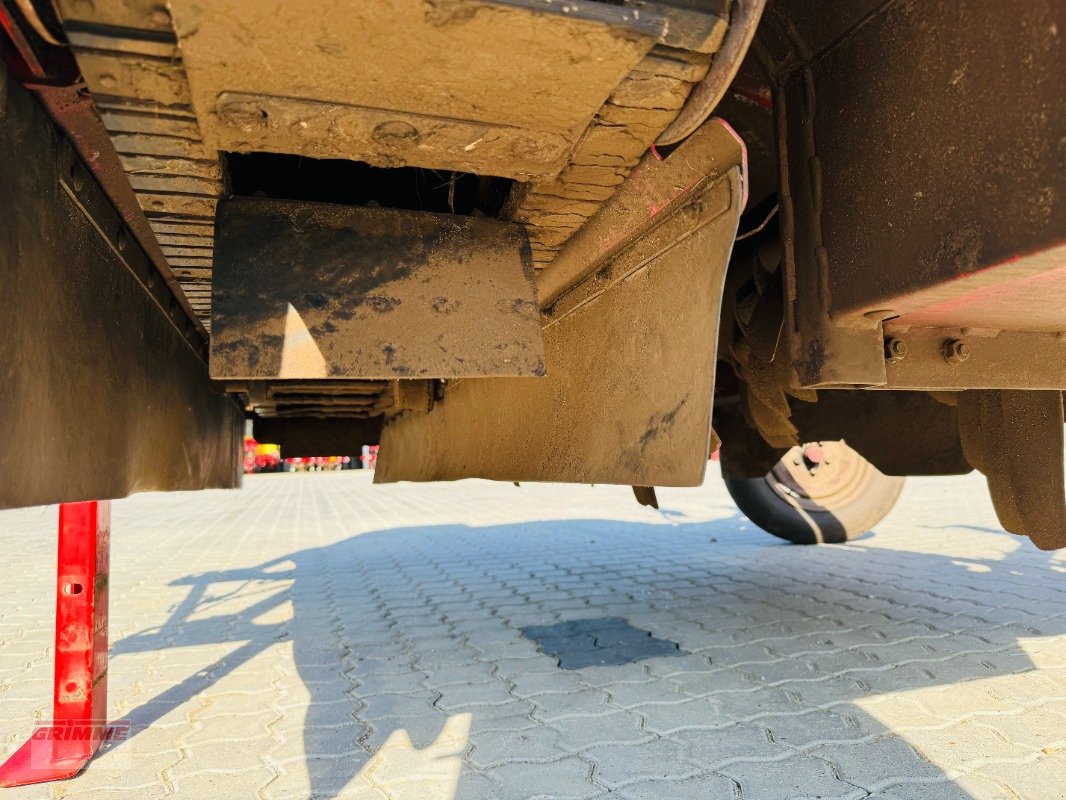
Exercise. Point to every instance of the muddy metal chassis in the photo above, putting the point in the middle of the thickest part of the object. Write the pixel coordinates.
(531, 272)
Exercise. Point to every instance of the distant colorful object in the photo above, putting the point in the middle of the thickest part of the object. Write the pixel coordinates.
(369, 456)
(267, 458)
(318, 464)
(260, 457)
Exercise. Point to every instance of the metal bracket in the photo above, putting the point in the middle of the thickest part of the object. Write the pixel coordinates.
(79, 719)
(967, 358)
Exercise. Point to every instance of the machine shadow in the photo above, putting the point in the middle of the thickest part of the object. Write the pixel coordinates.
(385, 625)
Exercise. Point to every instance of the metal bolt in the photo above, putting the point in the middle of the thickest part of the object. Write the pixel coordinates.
(955, 351)
(895, 350)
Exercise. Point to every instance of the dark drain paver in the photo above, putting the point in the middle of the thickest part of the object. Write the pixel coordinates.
(600, 642)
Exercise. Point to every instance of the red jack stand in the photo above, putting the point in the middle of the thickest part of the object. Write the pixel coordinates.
(80, 700)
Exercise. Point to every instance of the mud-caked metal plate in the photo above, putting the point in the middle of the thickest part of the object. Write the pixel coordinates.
(499, 87)
(105, 387)
(310, 290)
(630, 351)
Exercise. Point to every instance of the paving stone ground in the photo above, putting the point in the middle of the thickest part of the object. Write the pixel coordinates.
(315, 636)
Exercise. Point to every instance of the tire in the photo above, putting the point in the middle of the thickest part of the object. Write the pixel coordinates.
(818, 493)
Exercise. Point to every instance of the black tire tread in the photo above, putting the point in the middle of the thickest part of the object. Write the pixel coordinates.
(767, 509)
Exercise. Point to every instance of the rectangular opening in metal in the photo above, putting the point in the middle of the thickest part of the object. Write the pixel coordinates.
(355, 183)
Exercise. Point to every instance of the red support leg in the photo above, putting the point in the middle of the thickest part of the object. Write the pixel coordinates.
(80, 700)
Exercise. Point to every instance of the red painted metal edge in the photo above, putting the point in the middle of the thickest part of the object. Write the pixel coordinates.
(62, 749)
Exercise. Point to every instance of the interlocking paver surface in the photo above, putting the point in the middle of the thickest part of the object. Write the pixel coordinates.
(315, 636)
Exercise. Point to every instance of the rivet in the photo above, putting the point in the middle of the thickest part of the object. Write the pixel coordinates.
(396, 133)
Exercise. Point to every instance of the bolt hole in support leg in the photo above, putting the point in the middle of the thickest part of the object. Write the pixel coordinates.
(60, 750)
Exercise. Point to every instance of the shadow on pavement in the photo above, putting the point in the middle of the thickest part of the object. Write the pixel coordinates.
(409, 645)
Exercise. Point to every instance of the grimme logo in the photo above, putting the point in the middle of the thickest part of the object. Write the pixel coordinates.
(63, 741)
(83, 731)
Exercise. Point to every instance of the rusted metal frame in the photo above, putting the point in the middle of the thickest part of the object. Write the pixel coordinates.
(130, 61)
(79, 711)
(82, 154)
(103, 368)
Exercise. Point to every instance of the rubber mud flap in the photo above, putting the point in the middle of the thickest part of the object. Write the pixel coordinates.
(630, 346)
